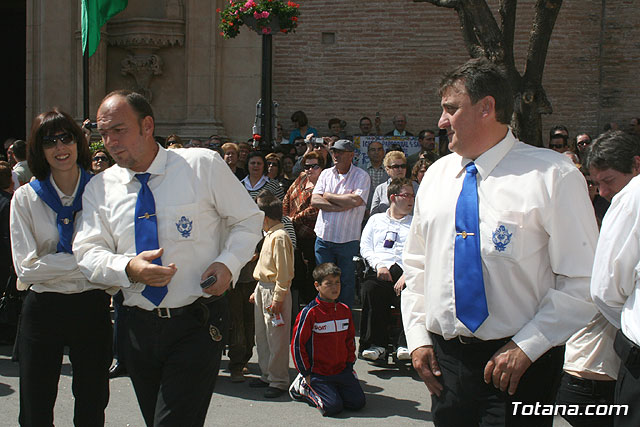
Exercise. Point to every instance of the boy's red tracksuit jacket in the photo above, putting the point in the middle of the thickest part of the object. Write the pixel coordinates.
(323, 339)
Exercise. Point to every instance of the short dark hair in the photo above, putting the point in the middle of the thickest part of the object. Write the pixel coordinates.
(49, 123)
(19, 148)
(300, 117)
(582, 133)
(136, 101)
(253, 154)
(557, 129)
(424, 133)
(314, 155)
(395, 186)
(481, 78)
(613, 150)
(364, 118)
(6, 178)
(325, 269)
(334, 121)
(270, 205)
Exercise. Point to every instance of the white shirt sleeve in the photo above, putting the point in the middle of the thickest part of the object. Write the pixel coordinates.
(615, 270)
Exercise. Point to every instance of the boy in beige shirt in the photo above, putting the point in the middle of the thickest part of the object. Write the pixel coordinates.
(274, 273)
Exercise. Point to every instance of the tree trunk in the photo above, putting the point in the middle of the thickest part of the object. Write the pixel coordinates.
(483, 37)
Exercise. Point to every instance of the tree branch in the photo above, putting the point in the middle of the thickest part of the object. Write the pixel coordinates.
(508, 23)
(544, 21)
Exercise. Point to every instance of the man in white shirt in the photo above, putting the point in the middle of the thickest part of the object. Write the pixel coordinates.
(21, 168)
(381, 244)
(205, 225)
(507, 204)
(614, 161)
(341, 195)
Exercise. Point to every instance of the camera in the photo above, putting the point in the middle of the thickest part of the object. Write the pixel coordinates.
(91, 125)
(317, 141)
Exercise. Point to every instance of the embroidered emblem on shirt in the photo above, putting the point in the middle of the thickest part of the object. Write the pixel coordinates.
(184, 226)
(501, 238)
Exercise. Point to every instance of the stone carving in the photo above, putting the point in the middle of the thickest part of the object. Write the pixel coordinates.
(142, 68)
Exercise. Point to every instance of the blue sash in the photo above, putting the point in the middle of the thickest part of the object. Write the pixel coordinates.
(66, 214)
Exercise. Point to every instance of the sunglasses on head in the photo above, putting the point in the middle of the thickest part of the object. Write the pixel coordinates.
(50, 141)
(313, 166)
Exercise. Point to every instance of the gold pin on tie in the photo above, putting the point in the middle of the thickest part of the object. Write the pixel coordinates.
(146, 215)
(464, 234)
(66, 221)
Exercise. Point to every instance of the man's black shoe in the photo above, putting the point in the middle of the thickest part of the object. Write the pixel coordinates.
(258, 383)
(272, 392)
(117, 370)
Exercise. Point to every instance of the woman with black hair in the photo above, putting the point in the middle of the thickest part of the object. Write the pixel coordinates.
(62, 308)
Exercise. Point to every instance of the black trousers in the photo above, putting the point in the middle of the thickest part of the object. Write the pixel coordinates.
(174, 362)
(628, 382)
(50, 321)
(467, 400)
(377, 297)
(583, 392)
(242, 332)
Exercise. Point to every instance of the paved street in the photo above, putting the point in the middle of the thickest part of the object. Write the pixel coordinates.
(395, 396)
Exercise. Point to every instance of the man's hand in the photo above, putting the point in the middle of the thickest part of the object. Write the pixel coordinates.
(252, 298)
(425, 363)
(141, 269)
(384, 274)
(223, 276)
(276, 307)
(399, 286)
(506, 367)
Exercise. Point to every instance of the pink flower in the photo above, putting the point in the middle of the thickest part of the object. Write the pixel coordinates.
(249, 4)
(265, 14)
(257, 15)
(266, 30)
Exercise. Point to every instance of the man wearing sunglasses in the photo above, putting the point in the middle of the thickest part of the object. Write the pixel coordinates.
(341, 195)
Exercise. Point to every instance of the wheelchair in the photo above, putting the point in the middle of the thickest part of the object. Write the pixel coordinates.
(363, 272)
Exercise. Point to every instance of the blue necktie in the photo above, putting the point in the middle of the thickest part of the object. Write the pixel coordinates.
(471, 301)
(146, 224)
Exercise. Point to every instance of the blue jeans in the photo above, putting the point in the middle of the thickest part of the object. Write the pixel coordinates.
(342, 255)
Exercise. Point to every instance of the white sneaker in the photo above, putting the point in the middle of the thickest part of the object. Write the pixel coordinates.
(298, 389)
(373, 353)
(403, 353)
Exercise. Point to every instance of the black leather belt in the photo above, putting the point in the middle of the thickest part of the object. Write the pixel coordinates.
(168, 313)
(473, 340)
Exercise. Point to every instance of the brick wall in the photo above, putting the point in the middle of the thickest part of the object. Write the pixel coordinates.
(388, 56)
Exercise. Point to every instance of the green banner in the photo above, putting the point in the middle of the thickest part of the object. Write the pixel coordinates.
(95, 13)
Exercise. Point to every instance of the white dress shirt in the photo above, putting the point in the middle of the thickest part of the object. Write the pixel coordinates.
(344, 226)
(34, 241)
(537, 235)
(591, 349)
(379, 228)
(204, 215)
(616, 270)
(380, 201)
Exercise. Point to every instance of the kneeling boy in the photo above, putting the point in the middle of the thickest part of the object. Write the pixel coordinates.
(324, 350)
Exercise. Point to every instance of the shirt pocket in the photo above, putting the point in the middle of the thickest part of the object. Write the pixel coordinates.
(180, 223)
(502, 234)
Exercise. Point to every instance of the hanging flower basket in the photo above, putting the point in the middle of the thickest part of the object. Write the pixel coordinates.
(262, 16)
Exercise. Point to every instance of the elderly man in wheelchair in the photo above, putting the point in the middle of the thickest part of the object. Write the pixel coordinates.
(381, 246)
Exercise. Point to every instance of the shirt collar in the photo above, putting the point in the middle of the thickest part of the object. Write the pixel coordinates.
(488, 160)
(276, 227)
(157, 167)
(405, 219)
(335, 170)
(61, 195)
(261, 182)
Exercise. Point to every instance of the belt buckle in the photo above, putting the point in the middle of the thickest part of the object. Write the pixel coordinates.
(465, 340)
(163, 312)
